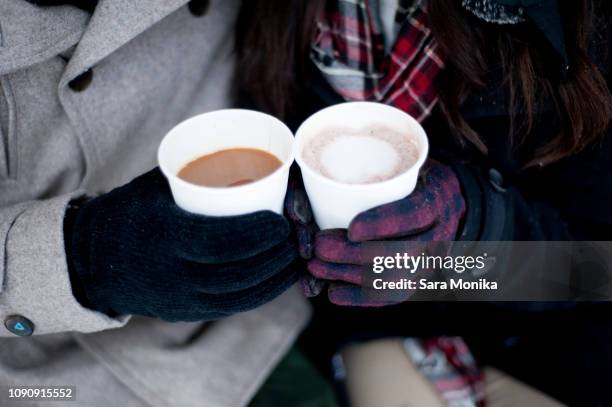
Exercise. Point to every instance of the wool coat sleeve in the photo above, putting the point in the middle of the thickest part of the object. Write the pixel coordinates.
(34, 279)
(573, 201)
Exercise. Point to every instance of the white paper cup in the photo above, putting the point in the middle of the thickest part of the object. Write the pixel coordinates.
(220, 130)
(335, 204)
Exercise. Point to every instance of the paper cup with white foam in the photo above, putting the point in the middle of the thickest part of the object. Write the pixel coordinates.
(221, 130)
(335, 193)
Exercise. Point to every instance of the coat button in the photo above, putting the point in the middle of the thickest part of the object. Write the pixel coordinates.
(328, 60)
(81, 82)
(198, 7)
(497, 180)
(18, 325)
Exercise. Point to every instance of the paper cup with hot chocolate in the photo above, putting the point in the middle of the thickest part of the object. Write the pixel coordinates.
(228, 162)
(358, 155)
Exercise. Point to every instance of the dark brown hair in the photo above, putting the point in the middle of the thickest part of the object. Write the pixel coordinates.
(273, 42)
(273, 45)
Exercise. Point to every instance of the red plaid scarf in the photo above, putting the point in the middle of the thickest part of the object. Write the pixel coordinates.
(349, 50)
(450, 367)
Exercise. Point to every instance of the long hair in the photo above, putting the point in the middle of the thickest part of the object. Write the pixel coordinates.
(273, 42)
(273, 45)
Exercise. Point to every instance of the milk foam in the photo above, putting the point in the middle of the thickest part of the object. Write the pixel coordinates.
(360, 156)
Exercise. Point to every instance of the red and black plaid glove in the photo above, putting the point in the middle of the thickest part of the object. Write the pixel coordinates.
(431, 214)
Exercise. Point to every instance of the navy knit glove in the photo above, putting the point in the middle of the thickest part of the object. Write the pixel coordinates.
(133, 251)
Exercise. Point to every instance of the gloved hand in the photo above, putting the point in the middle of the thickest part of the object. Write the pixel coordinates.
(299, 212)
(432, 213)
(133, 251)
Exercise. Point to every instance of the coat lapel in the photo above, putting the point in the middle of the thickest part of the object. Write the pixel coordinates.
(114, 23)
(30, 34)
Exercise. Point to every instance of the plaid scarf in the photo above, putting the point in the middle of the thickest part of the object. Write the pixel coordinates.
(349, 50)
(450, 367)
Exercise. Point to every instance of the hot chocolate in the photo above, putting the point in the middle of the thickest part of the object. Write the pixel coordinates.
(360, 156)
(230, 168)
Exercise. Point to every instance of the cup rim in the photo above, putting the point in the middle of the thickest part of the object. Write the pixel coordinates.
(225, 190)
(298, 146)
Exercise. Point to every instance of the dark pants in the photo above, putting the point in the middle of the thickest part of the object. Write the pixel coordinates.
(566, 352)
